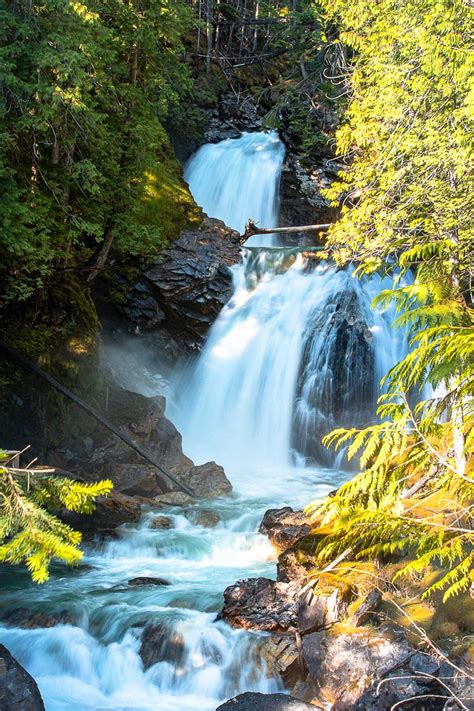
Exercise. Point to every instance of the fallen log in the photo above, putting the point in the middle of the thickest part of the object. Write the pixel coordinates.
(251, 228)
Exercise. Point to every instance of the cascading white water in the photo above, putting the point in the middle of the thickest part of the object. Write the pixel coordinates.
(278, 371)
(239, 179)
(264, 382)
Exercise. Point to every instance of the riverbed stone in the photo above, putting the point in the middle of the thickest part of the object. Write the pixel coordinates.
(284, 527)
(110, 512)
(18, 689)
(161, 523)
(203, 517)
(261, 604)
(208, 480)
(145, 580)
(160, 643)
(253, 701)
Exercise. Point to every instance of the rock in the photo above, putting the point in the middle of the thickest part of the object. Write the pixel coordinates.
(143, 580)
(346, 669)
(290, 566)
(160, 644)
(221, 130)
(208, 480)
(143, 420)
(161, 522)
(317, 610)
(284, 527)
(31, 619)
(252, 701)
(111, 511)
(18, 690)
(203, 517)
(367, 609)
(174, 498)
(190, 283)
(261, 604)
(240, 110)
(348, 361)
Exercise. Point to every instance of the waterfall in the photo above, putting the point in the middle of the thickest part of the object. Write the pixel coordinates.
(297, 350)
(238, 179)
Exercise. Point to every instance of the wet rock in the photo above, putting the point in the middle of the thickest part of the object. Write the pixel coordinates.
(161, 522)
(160, 644)
(174, 498)
(18, 690)
(111, 511)
(284, 527)
(219, 130)
(192, 281)
(30, 619)
(242, 111)
(366, 611)
(252, 701)
(282, 656)
(290, 566)
(143, 580)
(142, 419)
(203, 517)
(347, 669)
(208, 480)
(261, 604)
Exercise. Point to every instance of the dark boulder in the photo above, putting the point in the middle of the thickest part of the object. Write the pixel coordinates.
(161, 523)
(208, 480)
(252, 701)
(18, 689)
(284, 527)
(143, 421)
(34, 619)
(203, 517)
(111, 511)
(159, 644)
(144, 580)
(186, 289)
(261, 604)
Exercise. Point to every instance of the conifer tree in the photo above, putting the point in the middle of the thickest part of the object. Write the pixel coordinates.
(407, 205)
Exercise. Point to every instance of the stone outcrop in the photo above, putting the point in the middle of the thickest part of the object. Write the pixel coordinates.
(284, 527)
(261, 604)
(252, 701)
(18, 690)
(329, 654)
(143, 421)
(182, 293)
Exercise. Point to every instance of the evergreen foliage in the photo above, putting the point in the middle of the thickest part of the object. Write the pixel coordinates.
(407, 206)
(30, 533)
(85, 163)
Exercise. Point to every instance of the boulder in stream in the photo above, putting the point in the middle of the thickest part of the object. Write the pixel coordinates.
(284, 527)
(252, 701)
(18, 689)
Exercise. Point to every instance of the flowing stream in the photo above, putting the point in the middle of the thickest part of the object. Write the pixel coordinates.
(293, 341)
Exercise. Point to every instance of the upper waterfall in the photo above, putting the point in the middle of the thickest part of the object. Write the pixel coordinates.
(238, 179)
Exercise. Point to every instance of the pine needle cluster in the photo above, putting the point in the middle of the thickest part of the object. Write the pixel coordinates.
(30, 532)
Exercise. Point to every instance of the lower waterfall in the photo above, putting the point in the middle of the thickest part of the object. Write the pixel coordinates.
(296, 350)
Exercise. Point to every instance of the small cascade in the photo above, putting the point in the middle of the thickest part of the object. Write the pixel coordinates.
(238, 179)
(297, 351)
